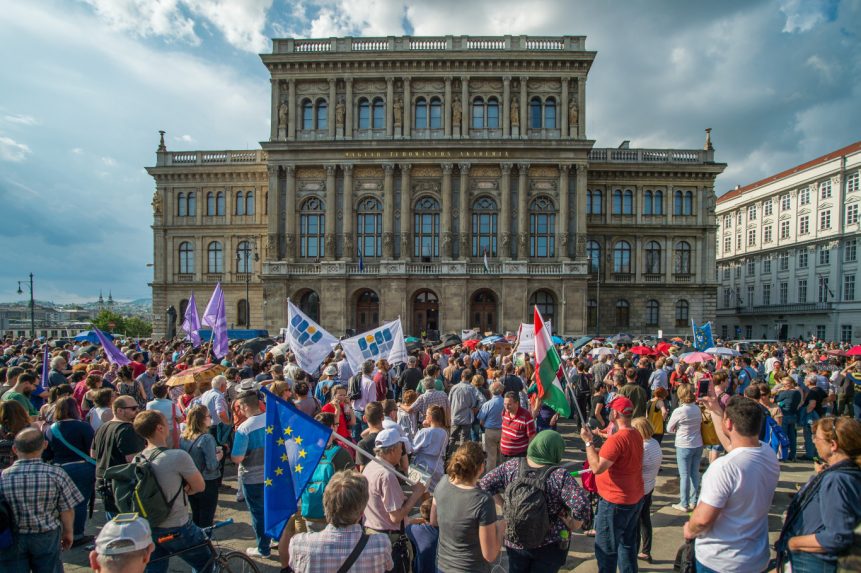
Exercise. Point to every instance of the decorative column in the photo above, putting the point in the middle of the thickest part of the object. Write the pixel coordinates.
(447, 107)
(276, 103)
(348, 211)
(291, 109)
(390, 102)
(581, 106)
(522, 211)
(464, 102)
(290, 225)
(524, 107)
(272, 251)
(563, 111)
(331, 211)
(506, 106)
(580, 196)
(388, 210)
(333, 103)
(564, 214)
(445, 222)
(463, 211)
(407, 113)
(406, 212)
(505, 211)
(348, 127)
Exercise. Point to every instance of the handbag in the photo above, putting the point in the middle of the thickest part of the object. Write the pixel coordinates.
(707, 428)
(55, 431)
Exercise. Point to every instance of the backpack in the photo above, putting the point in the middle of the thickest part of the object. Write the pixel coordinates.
(136, 489)
(312, 497)
(354, 389)
(776, 438)
(528, 521)
(7, 456)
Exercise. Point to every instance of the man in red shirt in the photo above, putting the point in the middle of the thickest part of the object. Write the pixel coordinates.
(618, 469)
(518, 428)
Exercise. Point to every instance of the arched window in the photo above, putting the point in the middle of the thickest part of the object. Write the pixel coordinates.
(183, 306)
(435, 113)
(593, 253)
(426, 228)
(421, 113)
(617, 202)
(678, 203)
(484, 221)
(322, 114)
(240, 204)
(658, 208)
(653, 257)
(243, 257)
(379, 113)
(492, 113)
(242, 312)
(653, 313)
(478, 113)
(647, 203)
(185, 204)
(542, 228)
(312, 225)
(215, 204)
(307, 115)
(628, 202)
(546, 303)
(591, 313)
(214, 258)
(622, 257)
(364, 114)
(210, 204)
(186, 258)
(249, 203)
(623, 313)
(550, 113)
(535, 113)
(689, 203)
(369, 227)
(594, 202)
(309, 303)
(683, 313)
(682, 258)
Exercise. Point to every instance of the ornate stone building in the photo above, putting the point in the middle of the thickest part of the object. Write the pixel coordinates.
(447, 180)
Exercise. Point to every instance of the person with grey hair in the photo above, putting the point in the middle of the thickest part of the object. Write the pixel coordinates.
(42, 498)
(431, 397)
(124, 545)
(490, 416)
(55, 375)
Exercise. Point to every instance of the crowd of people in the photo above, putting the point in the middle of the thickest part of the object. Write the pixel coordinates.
(468, 418)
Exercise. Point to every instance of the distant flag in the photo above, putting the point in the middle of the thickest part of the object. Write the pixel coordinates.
(548, 369)
(308, 341)
(215, 316)
(486, 264)
(386, 341)
(112, 352)
(191, 324)
(361, 261)
(702, 336)
(45, 367)
(294, 443)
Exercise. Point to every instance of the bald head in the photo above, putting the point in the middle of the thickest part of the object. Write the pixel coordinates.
(29, 442)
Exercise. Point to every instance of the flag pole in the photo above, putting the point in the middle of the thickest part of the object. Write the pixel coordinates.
(583, 420)
(382, 462)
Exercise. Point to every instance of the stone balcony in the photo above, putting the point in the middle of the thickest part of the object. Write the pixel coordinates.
(192, 158)
(429, 44)
(656, 156)
(442, 268)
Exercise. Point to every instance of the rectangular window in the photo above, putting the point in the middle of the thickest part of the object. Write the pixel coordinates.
(727, 220)
(824, 256)
(852, 214)
(824, 290)
(751, 213)
(820, 331)
(845, 333)
(766, 208)
(726, 273)
(783, 261)
(784, 229)
(726, 292)
(804, 225)
(766, 294)
(784, 293)
(766, 234)
(849, 287)
(853, 182)
(850, 251)
(802, 259)
(723, 331)
(727, 244)
(825, 189)
(738, 271)
(748, 331)
(738, 242)
(804, 196)
(802, 290)
(825, 220)
(750, 291)
(766, 265)
(751, 268)
(751, 237)
(785, 202)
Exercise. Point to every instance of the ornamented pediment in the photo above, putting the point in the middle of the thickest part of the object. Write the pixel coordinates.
(428, 86)
(425, 187)
(304, 88)
(785, 216)
(310, 173)
(367, 171)
(369, 87)
(826, 205)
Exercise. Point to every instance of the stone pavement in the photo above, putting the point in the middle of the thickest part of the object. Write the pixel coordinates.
(666, 521)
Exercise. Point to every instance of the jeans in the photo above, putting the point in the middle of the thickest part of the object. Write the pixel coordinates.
(36, 552)
(83, 474)
(807, 420)
(547, 559)
(358, 426)
(791, 430)
(254, 500)
(688, 460)
(188, 535)
(646, 524)
(459, 435)
(703, 569)
(809, 563)
(203, 504)
(856, 405)
(616, 536)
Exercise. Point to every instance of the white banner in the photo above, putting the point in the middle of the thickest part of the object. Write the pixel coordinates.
(526, 337)
(308, 341)
(469, 334)
(386, 341)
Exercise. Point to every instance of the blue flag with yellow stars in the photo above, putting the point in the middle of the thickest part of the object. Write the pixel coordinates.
(702, 336)
(295, 442)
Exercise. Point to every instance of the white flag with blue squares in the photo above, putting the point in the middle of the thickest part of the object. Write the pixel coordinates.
(386, 341)
(308, 341)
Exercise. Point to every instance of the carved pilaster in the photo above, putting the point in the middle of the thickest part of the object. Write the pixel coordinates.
(388, 209)
(348, 211)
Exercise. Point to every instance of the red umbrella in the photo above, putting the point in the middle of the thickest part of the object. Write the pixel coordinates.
(642, 350)
(471, 344)
(838, 352)
(663, 348)
(854, 351)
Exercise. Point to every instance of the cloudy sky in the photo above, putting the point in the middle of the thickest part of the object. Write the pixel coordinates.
(86, 85)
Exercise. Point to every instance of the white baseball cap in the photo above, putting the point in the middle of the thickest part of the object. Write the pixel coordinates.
(125, 533)
(389, 437)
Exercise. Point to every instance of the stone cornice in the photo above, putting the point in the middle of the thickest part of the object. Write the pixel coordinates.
(259, 175)
(541, 65)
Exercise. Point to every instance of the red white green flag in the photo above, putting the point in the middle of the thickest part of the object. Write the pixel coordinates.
(548, 370)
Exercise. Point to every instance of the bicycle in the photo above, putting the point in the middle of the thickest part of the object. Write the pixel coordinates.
(223, 560)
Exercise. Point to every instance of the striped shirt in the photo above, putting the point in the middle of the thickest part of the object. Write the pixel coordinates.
(37, 492)
(516, 431)
(431, 398)
(652, 458)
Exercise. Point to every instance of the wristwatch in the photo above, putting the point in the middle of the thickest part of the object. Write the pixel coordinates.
(587, 445)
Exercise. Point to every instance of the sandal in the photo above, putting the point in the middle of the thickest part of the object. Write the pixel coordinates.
(645, 557)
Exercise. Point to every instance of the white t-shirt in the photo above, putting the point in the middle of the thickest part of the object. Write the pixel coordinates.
(741, 484)
(686, 422)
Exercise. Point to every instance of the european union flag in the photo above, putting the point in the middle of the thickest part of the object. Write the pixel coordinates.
(294, 445)
(702, 336)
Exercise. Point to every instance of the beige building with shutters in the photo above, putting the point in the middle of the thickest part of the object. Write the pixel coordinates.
(446, 180)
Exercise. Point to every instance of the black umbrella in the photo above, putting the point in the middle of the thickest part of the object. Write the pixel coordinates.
(448, 340)
(258, 344)
(622, 339)
(581, 342)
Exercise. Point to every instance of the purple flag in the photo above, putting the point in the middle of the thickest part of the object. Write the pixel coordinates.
(215, 316)
(191, 324)
(45, 367)
(113, 353)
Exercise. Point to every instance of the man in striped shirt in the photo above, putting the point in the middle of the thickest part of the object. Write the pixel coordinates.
(518, 428)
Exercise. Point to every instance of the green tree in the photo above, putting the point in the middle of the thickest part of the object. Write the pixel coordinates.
(138, 327)
(108, 321)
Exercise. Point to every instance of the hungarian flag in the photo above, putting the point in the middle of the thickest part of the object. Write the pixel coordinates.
(549, 370)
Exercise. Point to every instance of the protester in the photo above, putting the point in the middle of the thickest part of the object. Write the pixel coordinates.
(201, 446)
(518, 428)
(490, 416)
(424, 539)
(170, 411)
(344, 413)
(657, 412)
(429, 445)
(123, 546)
(116, 443)
(686, 421)
(652, 458)
(128, 386)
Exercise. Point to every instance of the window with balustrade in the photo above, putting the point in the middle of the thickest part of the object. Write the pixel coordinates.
(312, 226)
(369, 227)
(594, 202)
(186, 258)
(215, 258)
(653, 257)
(485, 113)
(484, 223)
(426, 228)
(622, 257)
(244, 264)
(372, 113)
(593, 253)
(623, 313)
(542, 228)
(315, 114)
(682, 255)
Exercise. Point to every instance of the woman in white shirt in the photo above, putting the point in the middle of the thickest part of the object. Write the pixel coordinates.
(686, 422)
(652, 458)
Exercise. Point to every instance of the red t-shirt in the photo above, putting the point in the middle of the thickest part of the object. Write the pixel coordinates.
(137, 368)
(343, 430)
(623, 482)
(516, 431)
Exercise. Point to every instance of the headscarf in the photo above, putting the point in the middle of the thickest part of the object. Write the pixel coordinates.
(546, 448)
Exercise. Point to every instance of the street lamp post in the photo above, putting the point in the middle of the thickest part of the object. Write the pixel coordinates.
(32, 306)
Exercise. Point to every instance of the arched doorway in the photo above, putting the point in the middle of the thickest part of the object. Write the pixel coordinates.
(546, 303)
(309, 303)
(425, 312)
(367, 310)
(482, 311)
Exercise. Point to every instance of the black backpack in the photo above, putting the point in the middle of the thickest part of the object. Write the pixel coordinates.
(525, 506)
(136, 489)
(354, 389)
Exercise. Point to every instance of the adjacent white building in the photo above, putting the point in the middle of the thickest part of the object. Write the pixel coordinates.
(787, 253)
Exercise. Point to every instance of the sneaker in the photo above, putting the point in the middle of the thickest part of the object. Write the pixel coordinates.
(692, 507)
(254, 552)
(679, 507)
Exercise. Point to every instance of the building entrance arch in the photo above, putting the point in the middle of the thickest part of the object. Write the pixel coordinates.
(425, 312)
(367, 310)
(483, 310)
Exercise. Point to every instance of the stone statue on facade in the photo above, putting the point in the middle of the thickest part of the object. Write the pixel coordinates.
(506, 244)
(348, 245)
(156, 204)
(340, 111)
(405, 245)
(563, 242)
(524, 242)
(387, 245)
(456, 112)
(171, 322)
(398, 110)
(446, 245)
(572, 113)
(464, 245)
(581, 245)
(272, 247)
(515, 112)
(330, 245)
(283, 113)
(289, 246)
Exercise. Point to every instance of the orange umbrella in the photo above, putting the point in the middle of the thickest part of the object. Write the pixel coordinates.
(199, 375)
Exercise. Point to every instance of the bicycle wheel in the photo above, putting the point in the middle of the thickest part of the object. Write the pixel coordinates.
(234, 562)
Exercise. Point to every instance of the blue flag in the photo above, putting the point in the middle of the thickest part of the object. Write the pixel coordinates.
(295, 442)
(702, 336)
(361, 260)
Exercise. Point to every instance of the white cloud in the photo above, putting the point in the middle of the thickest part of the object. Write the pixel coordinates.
(21, 119)
(147, 18)
(76, 151)
(109, 161)
(804, 15)
(11, 150)
(828, 70)
(185, 138)
(356, 18)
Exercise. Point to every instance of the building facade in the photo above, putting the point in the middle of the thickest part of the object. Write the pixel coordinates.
(447, 180)
(787, 253)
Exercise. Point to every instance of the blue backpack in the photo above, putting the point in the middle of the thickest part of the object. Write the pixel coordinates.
(312, 497)
(776, 438)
